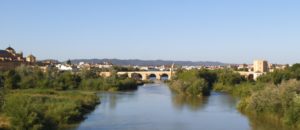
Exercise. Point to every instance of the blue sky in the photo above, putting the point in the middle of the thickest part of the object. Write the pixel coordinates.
(231, 31)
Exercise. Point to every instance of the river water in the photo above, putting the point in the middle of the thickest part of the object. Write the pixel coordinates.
(154, 107)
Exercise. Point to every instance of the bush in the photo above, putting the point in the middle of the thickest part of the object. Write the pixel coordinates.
(282, 101)
(24, 113)
(42, 110)
(12, 79)
(178, 86)
(227, 77)
(127, 84)
(267, 100)
(198, 87)
(292, 116)
(190, 83)
(1, 98)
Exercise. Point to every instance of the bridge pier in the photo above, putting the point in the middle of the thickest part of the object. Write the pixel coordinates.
(144, 77)
(158, 77)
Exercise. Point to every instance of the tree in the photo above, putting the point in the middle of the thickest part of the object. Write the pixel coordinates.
(198, 87)
(87, 74)
(209, 76)
(12, 79)
(295, 67)
(69, 62)
(1, 97)
(227, 77)
(1, 81)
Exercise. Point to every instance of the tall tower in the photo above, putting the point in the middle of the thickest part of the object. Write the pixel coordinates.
(172, 70)
(260, 66)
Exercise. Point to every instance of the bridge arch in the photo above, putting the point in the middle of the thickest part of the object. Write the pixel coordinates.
(152, 76)
(164, 76)
(250, 77)
(136, 76)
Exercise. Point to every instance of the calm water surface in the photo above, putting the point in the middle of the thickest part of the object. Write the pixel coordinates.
(154, 107)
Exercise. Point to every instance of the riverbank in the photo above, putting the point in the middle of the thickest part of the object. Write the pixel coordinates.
(276, 94)
(33, 99)
(46, 109)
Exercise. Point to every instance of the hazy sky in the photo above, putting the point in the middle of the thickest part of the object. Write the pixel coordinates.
(232, 31)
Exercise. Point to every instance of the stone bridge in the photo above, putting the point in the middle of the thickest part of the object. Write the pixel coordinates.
(143, 75)
(250, 75)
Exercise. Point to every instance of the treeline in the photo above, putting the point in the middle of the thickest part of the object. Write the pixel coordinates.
(31, 99)
(25, 77)
(275, 94)
(278, 76)
(201, 82)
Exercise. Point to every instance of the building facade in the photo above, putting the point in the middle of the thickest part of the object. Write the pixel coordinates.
(10, 55)
(260, 66)
(31, 59)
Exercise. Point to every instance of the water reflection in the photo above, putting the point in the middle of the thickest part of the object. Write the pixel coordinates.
(193, 103)
(110, 100)
(223, 100)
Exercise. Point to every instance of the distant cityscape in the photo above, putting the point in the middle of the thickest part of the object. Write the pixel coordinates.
(9, 58)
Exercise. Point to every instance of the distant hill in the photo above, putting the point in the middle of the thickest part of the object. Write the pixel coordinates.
(146, 62)
(49, 60)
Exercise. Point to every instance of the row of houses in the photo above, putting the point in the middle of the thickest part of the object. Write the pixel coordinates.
(258, 66)
(82, 65)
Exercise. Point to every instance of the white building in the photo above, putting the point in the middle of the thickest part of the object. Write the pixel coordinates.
(105, 65)
(62, 67)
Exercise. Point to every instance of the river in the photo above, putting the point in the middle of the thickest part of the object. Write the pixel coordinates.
(154, 107)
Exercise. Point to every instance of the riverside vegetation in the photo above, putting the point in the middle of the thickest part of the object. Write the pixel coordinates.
(34, 100)
(274, 96)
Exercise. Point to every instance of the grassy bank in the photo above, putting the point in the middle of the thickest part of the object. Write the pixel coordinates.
(46, 109)
(281, 102)
(275, 95)
(34, 100)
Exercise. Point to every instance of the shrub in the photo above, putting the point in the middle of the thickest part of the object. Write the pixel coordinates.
(198, 87)
(42, 110)
(267, 100)
(292, 116)
(24, 113)
(12, 79)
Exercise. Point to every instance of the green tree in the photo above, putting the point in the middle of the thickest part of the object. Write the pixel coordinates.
(198, 87)
(66, 80)
(1, 97)
(69, 62)
(12, 79)
(88, 74)
(228, 77)
(1, 81)
(276, 77)
(209, 76)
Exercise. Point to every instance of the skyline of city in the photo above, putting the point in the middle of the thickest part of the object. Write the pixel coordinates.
(224, 31)
(46, 59)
